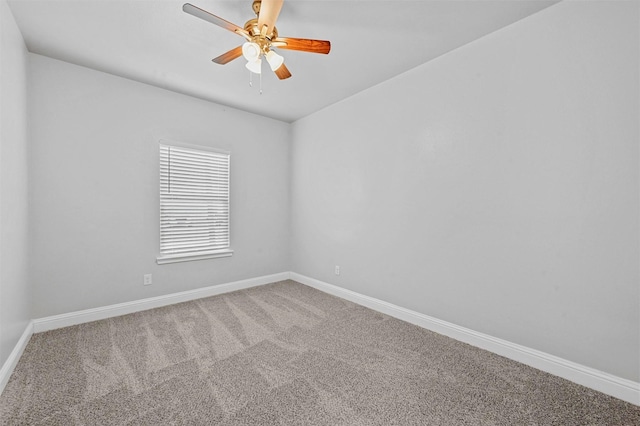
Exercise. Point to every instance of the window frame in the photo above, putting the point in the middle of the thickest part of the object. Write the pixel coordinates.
(164, 258)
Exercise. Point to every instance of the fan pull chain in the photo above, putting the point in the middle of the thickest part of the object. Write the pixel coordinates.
(251, 81)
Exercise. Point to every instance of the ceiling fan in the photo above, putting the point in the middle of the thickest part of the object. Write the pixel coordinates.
(261, 36)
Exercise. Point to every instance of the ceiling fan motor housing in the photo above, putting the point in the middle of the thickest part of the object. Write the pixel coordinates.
(264, 41)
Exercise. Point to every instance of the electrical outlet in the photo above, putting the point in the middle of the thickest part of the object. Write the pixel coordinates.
(147, 279)
(337, 270)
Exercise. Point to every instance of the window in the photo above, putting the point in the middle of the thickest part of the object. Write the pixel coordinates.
(194, 204)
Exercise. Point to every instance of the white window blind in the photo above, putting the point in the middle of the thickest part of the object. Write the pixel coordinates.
(194, 204)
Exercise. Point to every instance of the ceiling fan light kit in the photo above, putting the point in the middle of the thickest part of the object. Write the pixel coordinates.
(261, 36)
(251, 51)
(275, 60)
(255, 66)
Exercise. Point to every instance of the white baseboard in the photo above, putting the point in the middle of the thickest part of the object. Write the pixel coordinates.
(11, 362)
(624, 389)
(73, 318)
(95, 314)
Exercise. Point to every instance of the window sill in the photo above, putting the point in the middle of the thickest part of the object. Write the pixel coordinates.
(161, 260)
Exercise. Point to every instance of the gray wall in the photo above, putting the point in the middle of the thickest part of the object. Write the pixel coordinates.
(495, 187)
(15, 294)
(94, 172)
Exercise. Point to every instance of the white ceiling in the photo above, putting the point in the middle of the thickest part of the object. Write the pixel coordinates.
(155, 42)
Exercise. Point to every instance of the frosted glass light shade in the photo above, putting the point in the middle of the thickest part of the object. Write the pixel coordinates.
(255, 66)
(251, 51)
(275, 60)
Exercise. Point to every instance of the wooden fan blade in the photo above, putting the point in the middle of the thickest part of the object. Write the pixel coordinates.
(283, 72)
(303, 44)
(216, 20)
(228, 56)
(269, 11)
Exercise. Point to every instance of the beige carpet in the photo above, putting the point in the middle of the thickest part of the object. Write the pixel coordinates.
(283, 354)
